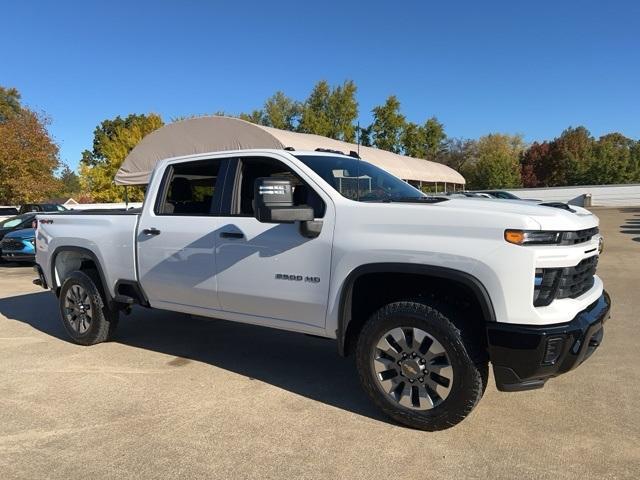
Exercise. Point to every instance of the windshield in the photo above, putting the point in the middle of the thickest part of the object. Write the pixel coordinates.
(11, 222)
(358, 180)
(504, 195)
(50, 207)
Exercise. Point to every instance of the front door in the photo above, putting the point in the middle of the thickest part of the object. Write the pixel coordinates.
(177, 238)
(268, 271)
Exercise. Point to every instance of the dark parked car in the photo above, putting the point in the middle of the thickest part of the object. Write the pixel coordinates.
(468, 194)
(42, 207)
(506, 195)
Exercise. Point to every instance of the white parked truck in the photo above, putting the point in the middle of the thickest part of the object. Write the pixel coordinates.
(424, 290)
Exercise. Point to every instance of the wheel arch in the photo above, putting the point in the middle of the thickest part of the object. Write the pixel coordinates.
(73, 259)
(468, 281)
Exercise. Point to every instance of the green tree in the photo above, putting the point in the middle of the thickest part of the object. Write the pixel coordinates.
(256, 116)
(69, 182)
(342, 110)
(458, 152)
(331, 112)
(315, 118)
(498, 162)
(571, 156)
(413, 140)
(434, 138)
(388, 124)
(635, 161)
(9, 103)
(364, 135)
(280, 112)
(112, 142)
(612, 161)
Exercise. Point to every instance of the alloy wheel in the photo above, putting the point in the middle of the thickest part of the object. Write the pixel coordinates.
(413, 368)
(77, 308)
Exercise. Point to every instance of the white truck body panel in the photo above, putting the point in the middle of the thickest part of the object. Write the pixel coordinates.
(189, 268)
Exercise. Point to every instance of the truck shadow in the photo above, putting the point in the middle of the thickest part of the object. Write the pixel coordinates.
(301, 364)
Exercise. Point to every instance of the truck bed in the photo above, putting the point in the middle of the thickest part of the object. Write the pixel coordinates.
(109, 235)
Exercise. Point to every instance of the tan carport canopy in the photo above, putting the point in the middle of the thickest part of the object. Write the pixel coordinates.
(215, 134)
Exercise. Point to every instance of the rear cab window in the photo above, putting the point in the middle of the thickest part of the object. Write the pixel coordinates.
(190, 189)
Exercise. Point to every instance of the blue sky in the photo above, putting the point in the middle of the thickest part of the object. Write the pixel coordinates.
(480, 67)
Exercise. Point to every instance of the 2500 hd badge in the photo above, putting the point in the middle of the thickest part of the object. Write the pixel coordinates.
(297, 278)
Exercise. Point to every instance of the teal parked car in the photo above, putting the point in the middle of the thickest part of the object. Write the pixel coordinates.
(19, 246)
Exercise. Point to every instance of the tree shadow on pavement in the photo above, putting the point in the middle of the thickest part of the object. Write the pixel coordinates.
(632, 225)
(304, 365)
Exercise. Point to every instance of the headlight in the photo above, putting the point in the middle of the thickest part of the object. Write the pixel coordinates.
(532, 237)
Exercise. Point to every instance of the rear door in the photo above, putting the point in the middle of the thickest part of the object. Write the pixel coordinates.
(270, 273)
(177, 237)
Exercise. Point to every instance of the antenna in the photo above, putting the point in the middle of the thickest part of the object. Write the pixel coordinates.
(358, 165)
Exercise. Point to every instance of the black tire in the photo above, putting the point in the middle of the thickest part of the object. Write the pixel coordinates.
(465, 354)
(103, 320)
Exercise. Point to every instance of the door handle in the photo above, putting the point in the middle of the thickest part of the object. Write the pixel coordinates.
(232, 235)
(151, 231)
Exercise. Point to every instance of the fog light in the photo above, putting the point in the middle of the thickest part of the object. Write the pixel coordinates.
(553, 350)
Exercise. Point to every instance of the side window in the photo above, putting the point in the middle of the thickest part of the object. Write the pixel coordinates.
(189, 189)
(250, 169)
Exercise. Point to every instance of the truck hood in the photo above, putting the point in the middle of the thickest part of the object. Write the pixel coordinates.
(546, 217)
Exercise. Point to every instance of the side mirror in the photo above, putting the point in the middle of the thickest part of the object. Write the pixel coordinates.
(273, 199)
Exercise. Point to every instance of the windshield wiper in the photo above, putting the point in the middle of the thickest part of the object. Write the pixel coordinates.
(407, 200)
(418, 199)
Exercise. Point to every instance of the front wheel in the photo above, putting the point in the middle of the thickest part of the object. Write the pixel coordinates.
(419, 366)
(85, 314)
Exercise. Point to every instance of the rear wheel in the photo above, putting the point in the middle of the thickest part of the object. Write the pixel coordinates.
(422, 367)
(85, 313)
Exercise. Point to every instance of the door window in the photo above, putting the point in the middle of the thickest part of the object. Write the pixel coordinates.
(250, 169)
(190, 189)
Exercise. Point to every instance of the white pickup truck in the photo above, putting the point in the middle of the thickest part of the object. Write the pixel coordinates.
(425, 291)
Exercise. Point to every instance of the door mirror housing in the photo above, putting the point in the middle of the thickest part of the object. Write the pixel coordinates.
(273, 202)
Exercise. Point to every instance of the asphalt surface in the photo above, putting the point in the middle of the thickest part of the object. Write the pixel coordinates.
(181, 397)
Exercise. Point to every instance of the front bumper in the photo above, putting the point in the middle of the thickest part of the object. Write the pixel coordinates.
(524, 357)
(10, 256)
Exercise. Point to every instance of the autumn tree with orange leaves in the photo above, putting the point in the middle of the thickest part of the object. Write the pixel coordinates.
(28, 155)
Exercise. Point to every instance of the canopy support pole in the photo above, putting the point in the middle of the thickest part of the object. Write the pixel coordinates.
(126, 196)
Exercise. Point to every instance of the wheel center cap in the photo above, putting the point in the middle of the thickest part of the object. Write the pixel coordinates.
(411, 368)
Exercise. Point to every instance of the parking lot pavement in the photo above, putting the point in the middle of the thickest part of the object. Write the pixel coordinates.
(181, 397)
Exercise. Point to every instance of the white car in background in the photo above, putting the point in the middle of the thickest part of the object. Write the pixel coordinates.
(8, 212)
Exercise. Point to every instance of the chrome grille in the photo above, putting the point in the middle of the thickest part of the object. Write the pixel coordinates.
(11, 244)
(574, 281)
(568, 282)
(580, 236)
